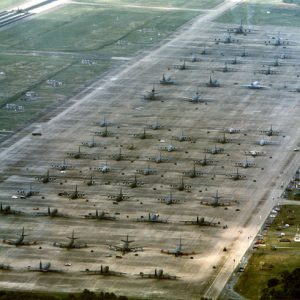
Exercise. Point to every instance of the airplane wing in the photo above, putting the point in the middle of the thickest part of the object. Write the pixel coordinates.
(245, 164)
(204, 162)
(212, 203)
(189, 222)
(176, 186)
(115, 247)
(182, 67)
(235, 176)
(9, 242)
(136, 249)
(80, 246)
(232, 130)
(177, 254)
(168, 201)
(146, 172)
(268, 132)
(28, 243)
(191, 173)
(255, 153)
(78, 155)
(42, 178)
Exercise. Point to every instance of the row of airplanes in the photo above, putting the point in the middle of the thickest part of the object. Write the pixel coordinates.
(135, 182)
(104, 271)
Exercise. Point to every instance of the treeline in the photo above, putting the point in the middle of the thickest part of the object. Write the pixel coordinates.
(292, 1)
(283, 288)
(85, 295)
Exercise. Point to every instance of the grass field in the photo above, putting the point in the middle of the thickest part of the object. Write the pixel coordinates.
(202, 4)
(92, 29)
(52, 46)
(4, 4)
(267, 263)
(268, 13)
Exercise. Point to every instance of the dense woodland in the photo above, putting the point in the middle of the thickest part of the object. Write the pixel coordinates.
(285, 287)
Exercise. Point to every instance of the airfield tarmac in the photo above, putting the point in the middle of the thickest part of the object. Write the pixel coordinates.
(119, 98)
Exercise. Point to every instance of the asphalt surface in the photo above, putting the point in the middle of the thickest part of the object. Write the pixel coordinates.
(119, 98)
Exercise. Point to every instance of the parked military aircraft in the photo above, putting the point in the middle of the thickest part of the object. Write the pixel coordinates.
(225, 69)
(103, 123)
(194, 58)
(51, 213)
(182, 137)
(142, 135)
(255, 85)
(232, 130)
(181, 186)
(168, 148)
(133, 183)
(255, 153)
(28, 192)
(277, 41)
(158, 274)
(160, 159)
(270, 131)
(125, 247)
(119, 156)
(78, 154)
(234, 61)
(239, 29)
(119, 197)
(72, 194)
(147, 171)
(151, 95)
(178, 251)
(214, 150)
(169, 200)
(91, 144)
(236, 176)
(263, 142)
(204, 51)
(62, 166)
(103, 168)
(227, 40)
(182, 66)
(105, 271)
(275, 63)
(244, 53)
(196, 98)
(104, 133)
(44, 268)
(100, 216)
(200, 222)
(155, 126)
(45, 178)
(267, 71)
(5, 267)
(216, 201)
(283, 55)
(223, 139)
(213, 82)
(166, 80)
(90, 181)
(6, 210)
(71, 244)
(20, 241)
(245, 164)
(152, 218)
(193, 173)
(204, 162)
